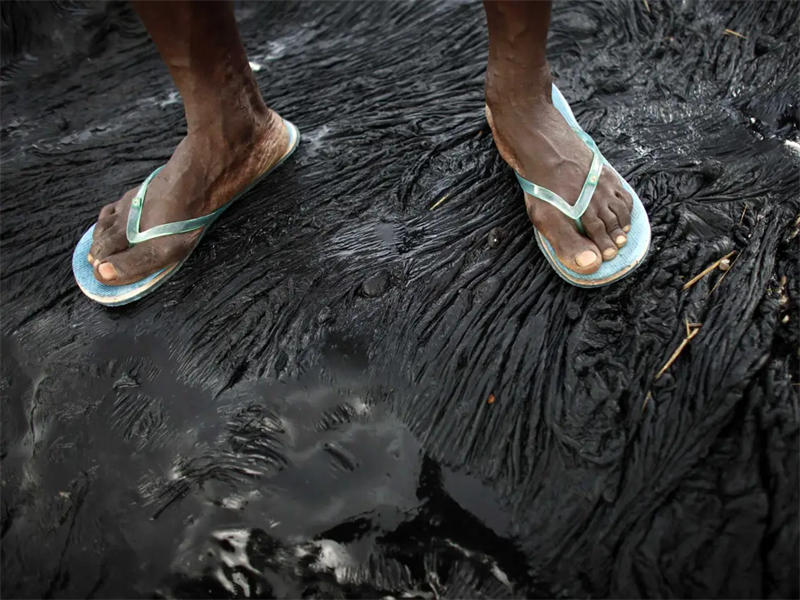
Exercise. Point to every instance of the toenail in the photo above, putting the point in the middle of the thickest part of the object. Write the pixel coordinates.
(621, 239)
(626, 229)
(585, 258)
(609, 253)
(107, 271)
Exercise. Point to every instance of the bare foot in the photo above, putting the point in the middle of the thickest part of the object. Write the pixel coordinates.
(208, 168)
(533, 137)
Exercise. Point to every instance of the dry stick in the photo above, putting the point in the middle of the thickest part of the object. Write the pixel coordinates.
(646, 400)
(439, 201)
(706, 271)
(736, 33)
(716, 285)
(646, 5)
(677, 352)
(743, 211)
(690, 326)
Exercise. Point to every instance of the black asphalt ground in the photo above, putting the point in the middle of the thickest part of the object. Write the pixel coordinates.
(304, 409)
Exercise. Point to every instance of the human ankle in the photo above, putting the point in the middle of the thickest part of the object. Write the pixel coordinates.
(511, 86)
(235, 120)
(234, 99)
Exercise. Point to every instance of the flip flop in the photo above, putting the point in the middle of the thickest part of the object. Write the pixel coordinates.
(117, 295)
(631, 254)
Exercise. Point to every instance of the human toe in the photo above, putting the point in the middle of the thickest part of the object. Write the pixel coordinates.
(596, 231)
(137, 262)
(576, 251)
(106, 243)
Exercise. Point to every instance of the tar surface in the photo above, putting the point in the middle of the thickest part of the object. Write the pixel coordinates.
(304, 410)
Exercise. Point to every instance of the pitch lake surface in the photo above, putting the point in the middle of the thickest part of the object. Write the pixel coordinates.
(304, 410)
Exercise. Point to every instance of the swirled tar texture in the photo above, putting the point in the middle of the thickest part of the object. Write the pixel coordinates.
(346, 392)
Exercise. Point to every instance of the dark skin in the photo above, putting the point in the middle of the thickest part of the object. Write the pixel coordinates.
(232, 137)
(534, 139)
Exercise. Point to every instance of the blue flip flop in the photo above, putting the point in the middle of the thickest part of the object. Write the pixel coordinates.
(117, 295)
(631, 254)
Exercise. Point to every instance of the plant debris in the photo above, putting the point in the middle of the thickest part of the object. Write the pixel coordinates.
(439, 202)
(691, 330)
(707, 270)
(734, 33)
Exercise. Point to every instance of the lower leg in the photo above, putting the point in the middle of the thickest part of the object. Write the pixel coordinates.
(517, 52)
(231, 138)
(533, 137)
(200, 44)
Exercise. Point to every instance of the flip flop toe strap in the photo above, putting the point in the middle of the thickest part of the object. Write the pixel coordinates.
(574, 211)
(135, 214)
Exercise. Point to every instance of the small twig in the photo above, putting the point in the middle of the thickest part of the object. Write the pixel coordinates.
(439, 201)
(646, 400)
(743, 211)
(690, 326)
(706, 271)
(678, 351)
(736, 33)
(716, 285)
(646, 5)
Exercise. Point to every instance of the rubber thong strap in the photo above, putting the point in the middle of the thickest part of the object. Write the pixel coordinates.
(135, 214)
(589, 185)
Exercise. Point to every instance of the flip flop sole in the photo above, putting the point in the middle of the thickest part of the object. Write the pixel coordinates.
(117, 295)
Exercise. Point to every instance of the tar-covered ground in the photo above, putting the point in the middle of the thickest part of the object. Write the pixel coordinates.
(344, 393)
